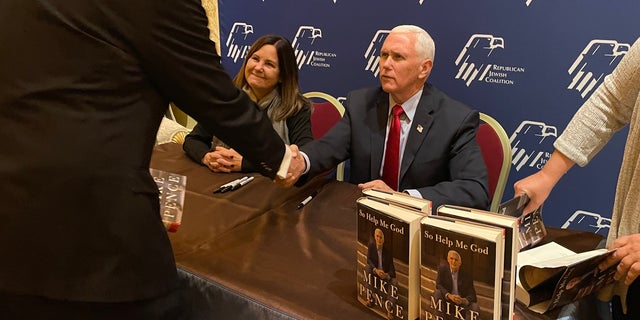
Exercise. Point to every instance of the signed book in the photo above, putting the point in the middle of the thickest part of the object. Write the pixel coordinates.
(171, 187)
(461, 269)
(387, 259)
(511, 226)
(549, 283)
(532, 228)
(400, 198)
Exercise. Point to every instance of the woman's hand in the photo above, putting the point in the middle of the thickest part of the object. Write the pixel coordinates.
(223, 160)
(627, 256)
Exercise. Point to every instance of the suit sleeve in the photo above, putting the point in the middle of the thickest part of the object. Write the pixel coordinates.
(440, 281)
(182, 61)
(299, 127)
(197, 143)
(371, 255)
(468, 185)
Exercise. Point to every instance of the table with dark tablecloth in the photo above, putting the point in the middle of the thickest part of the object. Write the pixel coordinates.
(251, 254)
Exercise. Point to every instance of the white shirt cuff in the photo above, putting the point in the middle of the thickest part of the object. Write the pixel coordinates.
(414, 192)
(284, 165)
(306, 162)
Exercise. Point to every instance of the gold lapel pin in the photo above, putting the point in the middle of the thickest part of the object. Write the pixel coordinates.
(419, 128)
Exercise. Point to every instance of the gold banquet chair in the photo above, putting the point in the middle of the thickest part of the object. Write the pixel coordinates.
(496, 152)
(327, 111)
(170, 129)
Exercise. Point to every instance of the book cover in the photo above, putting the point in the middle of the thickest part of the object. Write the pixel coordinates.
(548, 284)
(532, 228)
(511, 226)
(461, 270)
(172, 187)
(388, 258)
(401, 198)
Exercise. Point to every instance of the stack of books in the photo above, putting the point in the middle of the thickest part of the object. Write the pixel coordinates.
(455, 262)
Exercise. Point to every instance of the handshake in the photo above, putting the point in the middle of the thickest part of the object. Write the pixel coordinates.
(297, 166)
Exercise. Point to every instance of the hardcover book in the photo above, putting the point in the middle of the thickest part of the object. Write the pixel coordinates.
(461, 270)
(547, 284)
(172, 187)
(388, 258)
(401, 198)
(511, 226)
(532, 228)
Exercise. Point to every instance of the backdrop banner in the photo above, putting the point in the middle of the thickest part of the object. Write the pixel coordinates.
(530, 64)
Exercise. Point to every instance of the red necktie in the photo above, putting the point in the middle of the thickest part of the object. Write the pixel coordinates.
(391, 164)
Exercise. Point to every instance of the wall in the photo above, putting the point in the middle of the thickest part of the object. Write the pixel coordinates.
(528, 63)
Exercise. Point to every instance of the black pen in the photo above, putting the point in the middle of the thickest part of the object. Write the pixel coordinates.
(242, 183)
(234, 185)
(224, 186)
(307, 200)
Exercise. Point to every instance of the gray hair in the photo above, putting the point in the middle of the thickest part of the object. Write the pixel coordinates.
(425, 47)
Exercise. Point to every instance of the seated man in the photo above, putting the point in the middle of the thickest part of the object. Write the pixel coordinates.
(427, 147)
(380, 264)
(456, 287)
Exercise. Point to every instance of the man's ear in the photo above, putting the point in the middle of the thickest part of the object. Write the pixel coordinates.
(425, 68)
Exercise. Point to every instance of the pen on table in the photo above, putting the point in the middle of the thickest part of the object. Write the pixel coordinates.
(307, 200)
(234, 185)
(220, 188)
(226, 185)
(242, 183)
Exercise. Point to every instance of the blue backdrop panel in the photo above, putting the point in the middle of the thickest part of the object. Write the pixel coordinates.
(528, 63)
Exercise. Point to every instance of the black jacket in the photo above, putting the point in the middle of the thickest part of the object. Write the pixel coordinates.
(83, 87)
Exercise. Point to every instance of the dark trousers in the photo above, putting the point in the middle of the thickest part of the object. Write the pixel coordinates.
(170, 306)
(633, 303)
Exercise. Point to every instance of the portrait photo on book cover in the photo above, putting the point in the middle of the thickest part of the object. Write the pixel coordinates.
(454, 279)
(378, 286)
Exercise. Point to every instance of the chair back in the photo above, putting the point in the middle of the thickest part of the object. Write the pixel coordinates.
(327, 111)
(496, 152)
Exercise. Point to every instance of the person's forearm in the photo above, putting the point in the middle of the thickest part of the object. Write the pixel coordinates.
(557, 166)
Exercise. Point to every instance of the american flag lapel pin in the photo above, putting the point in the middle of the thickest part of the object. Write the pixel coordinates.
(419, 128)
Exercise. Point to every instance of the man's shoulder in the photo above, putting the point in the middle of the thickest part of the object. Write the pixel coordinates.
(366, 92)
(363, 90)
(441, 102)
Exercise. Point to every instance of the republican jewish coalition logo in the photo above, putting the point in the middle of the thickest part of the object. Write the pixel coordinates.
(588, 221)
(238, 43)
(475, 62)
(532, 144)
(372, 55)
(595, 61)
(303, 44)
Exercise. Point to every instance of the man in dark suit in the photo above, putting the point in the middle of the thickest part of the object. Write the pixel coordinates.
(380, 264)
(439, 158)
(456, 286)
(84, 85)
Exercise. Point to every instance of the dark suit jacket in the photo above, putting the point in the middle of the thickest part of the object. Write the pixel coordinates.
(444, 283)
(387, 259)
(85, 84)
(442, 161)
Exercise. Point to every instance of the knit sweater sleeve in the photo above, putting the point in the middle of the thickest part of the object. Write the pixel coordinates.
(607, 111)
